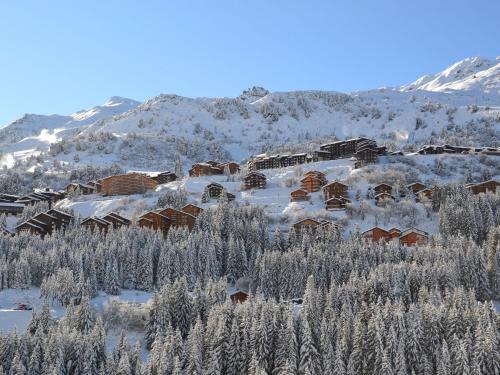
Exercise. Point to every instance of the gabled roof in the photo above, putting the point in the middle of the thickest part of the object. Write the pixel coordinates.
(381, 229)
(335, 183)
(384, 194)
(307, 219)
(414, 230)
(215, 184)
(62, 213)
(299, 191)
(96, 219)
(415, 183)
(487, 182)
(382, 185)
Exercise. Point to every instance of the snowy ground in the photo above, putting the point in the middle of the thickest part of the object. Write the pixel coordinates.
(11, 319)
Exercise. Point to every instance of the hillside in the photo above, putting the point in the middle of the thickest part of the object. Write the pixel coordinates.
(459, 105)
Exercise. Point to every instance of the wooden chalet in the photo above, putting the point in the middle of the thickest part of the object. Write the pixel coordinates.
(299, 195)
(306, 224)
(94, 222)
(238, 296)
(376, 235)
(11, 209)
(43, 195)
(394, 233)
(416, 187)
(154, 220)
(413, 237)
(96, 185)
(211, 168)
(214, 190)
(334, 189)
(127, 184)
(382, 188)
(231, 167)
(45, 222)
(164, 177)
(192, 210)
(117, 221)
(312, 183)
(78, 188)
(484, 187)
(384, 198)
(424, 194)
(178, 219)
(337, 203)
(254, 180)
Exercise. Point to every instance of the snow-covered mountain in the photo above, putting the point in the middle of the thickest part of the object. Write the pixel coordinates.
(459, 105)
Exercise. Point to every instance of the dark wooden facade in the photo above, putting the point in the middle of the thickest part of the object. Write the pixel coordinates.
(299, 195)
(127, 184)
(254, 180)
(94, 223)
(383, 198)
(117, 221)
(413, 237)
(192, 210)
(211, 168)
(238, 296)
(382, 188)
(45, 222)
(277, 161)
(78, 188)
(335, 189)
(484, 187)
(164, 177)
(416, 187)
(178, 219)
(337, 203)
(154, 220)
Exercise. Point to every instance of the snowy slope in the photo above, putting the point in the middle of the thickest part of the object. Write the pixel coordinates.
(474, 77)
(464, 96)
(33, 131)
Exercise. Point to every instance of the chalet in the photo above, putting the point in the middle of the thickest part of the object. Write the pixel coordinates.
(394, 233)
(96, 184)
(74, 188)
(154, 220)
(238, 296)
(164, 177)
(306, 224)
(376, 235)
(413, 237)
(364, 149)
(383, 198)
(337, 203)
(230, 167)
(32, 228)
(277, 161)
(94, 222)
(11, 209)
(126, 184)
(214, 190)
(383, 188)
(211, 168)
(45, 222)
(254, 180)
(204, 169)
(334, 189)
(192, 210)
(415, 187)
(117, 221)
(313, 181)
(299, 195)
(484, 187)
(63, 218)
(178, 218)
(423, 195)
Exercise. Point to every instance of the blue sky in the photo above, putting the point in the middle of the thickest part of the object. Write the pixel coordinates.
(62, 56)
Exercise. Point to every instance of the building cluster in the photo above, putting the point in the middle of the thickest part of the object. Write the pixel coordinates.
(210, 168)
(384, 193)
(449, 149)
(123, 184)
(363, 149)
(13, 205)
(111, 220)
(408, 237)
(165, 218)
(45, 222)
